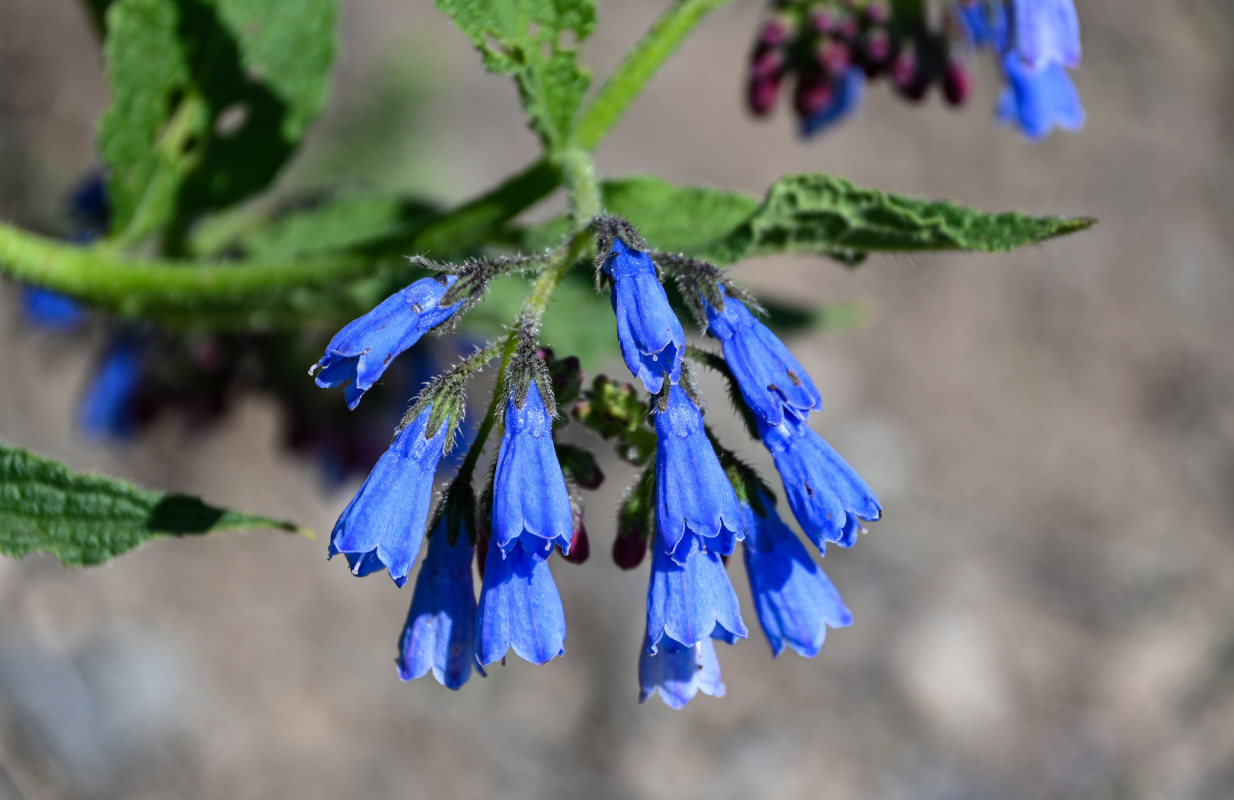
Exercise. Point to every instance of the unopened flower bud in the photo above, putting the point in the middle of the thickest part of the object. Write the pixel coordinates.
(957, 83)
(812, 94)
(761, 94)
(580, 546)
(834, 56)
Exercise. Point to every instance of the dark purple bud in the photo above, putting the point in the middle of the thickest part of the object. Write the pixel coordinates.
(957, 83)
(767, 64)
(761, 94)
(834, 56)
(877, 13)
(629, 552)
(580, 546)
(812, 94)
(773, 33)
(910, 81)
(875, 51)
(824, 21)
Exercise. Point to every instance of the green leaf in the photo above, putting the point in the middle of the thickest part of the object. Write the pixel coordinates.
(536, 41)
(828, 215)
(817, 214)
(672, 218)
(345, 221)
(209, 99)
(87, 519)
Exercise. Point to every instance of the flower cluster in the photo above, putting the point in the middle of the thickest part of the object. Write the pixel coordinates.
(827, 49)
(1036, 42)
(693, 505)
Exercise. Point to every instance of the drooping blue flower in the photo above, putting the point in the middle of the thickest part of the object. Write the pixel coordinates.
(771, 380)
(108, 408)
(51, 310)
(529, 490)
(440, 630)
(983, 24)
(849, 90)
(679, 673)
(1046, 32)
(1037, 101)
(519, 604)
(360, 352)
(649, 333)
(827, 496)
(694, 498)
(691, 602)
(794, 599)
(383, 525)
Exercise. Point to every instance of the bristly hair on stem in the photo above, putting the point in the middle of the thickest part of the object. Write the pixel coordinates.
(527, 365)
(474, 277)
(445, 393)
(749, 485)
(696, 278)
(608, 228)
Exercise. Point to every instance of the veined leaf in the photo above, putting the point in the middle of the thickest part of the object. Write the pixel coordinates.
(209, 99)
(817, 214)
(87, 519)
(828, 215)
(536, 41)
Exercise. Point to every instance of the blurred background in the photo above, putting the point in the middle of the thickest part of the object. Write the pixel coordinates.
(1046, 611)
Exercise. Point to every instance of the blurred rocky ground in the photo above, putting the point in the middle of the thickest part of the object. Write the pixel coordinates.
(1047, 610)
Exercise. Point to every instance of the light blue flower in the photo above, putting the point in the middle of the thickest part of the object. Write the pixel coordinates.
(1037, 101)
(649, 333)
(679, 673)
(794, 599)
(383, 525)
(360, 352)
(771, 380)
(440, 630)
(529, 490)
(694, 498)
(519, 604)
(1046, 32)
(691, 602)
(827, 496)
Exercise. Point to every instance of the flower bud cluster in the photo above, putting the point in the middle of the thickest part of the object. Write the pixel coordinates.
(825, 51)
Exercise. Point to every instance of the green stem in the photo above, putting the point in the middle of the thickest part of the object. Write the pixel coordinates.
(636, 69)
(266, 293)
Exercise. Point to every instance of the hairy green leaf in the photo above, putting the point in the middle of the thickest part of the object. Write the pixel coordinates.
(341, 222)
(87, 519)
(536, 41)
(829, 215)
(817, 214)
(209, 99)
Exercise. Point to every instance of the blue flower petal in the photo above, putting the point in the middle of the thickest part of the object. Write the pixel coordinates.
(439, 634)
(693, 601)
(650, 335)
(1046, 32)
(795, 600)
(529, 490)
(519, 605)
(771, 379)
(1038, 101)
(387, 516)
(360, 352)
(108, 407)
(693, 493)
(679, 673)
(823, 491)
